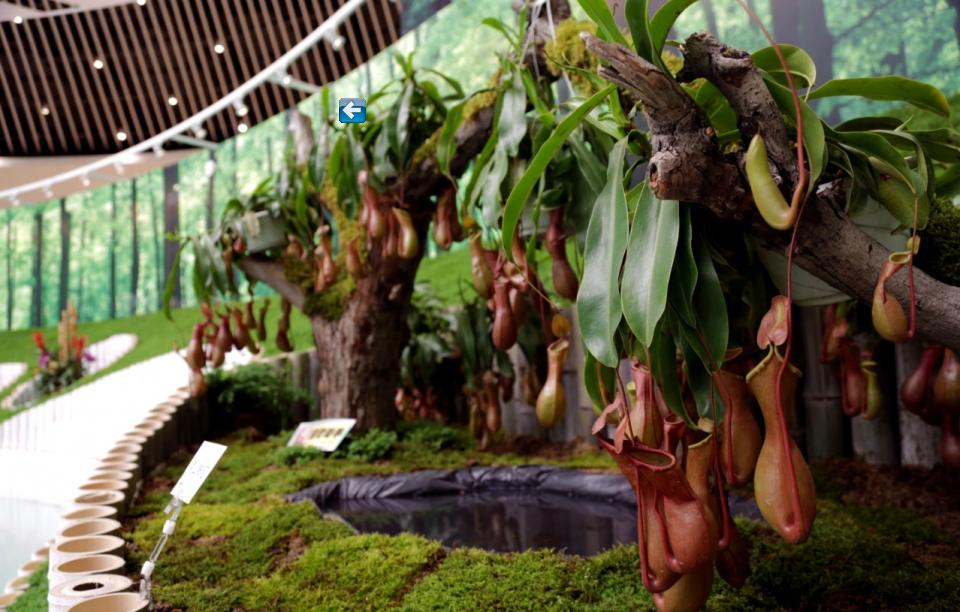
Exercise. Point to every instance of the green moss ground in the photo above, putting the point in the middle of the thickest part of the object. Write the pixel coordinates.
(238, 546)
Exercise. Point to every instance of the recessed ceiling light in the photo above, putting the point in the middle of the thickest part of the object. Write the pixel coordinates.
(287, 79)
(172, 101)
(242, 127)
(219, 48)
(142, 2)
(98, 64)
(121, 135)
(18, 20)
(44, 110)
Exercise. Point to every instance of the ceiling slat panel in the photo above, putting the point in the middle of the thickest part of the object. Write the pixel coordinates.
(162, 49)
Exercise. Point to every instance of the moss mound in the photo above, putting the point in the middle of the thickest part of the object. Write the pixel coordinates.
(239, 546)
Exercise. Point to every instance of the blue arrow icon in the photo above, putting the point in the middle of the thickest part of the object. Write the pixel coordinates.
(353, 110)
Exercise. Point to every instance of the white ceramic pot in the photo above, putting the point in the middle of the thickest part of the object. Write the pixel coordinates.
(72, 569)
(88, 527)
(133, 468)
(30, 567)
(41, 554)
(118, 602)
(83, 547)
(7, 600)
(68, 594)
(104, 485)
(17, 585)
(82, 513)
(119, 458)
(114, 499)
(166, 431)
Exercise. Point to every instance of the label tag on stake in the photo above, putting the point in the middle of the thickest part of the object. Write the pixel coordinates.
(197, 471)
(325, 434)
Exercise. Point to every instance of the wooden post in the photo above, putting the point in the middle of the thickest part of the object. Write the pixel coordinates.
(919, 442)
(819, 389)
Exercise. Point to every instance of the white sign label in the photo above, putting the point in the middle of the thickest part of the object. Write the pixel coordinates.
(197, 471)
(325, 434)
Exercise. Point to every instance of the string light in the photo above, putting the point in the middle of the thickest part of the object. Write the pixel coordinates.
(172, 101)
(18, 20)
(98, 64)
(242, 127)
(335, 40)
(121, 136)
(240, 108)
(198, 131)
(219, 48)
(45, 110)
(142, 2)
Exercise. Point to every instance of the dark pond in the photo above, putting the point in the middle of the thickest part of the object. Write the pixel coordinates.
(502, 521)
(499, 508)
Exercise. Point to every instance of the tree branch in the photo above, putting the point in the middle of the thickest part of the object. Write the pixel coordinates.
(686, 163)
(271, 273)
(733, 73)
(832, 247)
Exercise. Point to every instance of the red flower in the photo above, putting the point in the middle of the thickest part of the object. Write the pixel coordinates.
(38, 340)
(78, 343)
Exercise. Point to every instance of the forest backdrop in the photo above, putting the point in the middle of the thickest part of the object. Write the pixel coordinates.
(104, 249)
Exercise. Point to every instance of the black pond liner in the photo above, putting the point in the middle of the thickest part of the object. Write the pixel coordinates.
(499, 508)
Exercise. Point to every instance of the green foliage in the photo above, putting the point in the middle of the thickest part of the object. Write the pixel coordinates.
(297, 455)
(434, 436)
(598, 302)
(34, 599)
(257, 389)
(332, 301)
(374, 445)
(940, 242)
(431, 338)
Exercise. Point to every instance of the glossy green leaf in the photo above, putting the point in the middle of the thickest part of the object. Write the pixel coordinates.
(948, 182)
(524, 187)
(598, 302)
(447, 144)
(874, 145)
(397, 123)
(452, 82)
(683, 279)
(597, 376)
(587, 163)
(509, 33)
(700, 384)
(711, 307)
(649, 260)
(637, 13)
(663, 20)
(890, 88)
(799, 62)
(814, 139)
(607, 29)
(663, 353)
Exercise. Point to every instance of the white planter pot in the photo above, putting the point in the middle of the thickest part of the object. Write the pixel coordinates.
(30, 567)
(17, 585)
(88, 527)
(71, 569)
(264, 234)
(118, 602)
(68, 594)
(85, 513)
(112, 475)
(41, 554)
(8, 599)
(114, 499)
(83, 547)
(119, 458)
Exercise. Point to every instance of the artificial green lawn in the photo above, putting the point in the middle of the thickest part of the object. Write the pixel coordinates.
(239, 546)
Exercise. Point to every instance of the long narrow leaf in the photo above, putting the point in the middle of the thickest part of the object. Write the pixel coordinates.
(600, 13)
(649, 260)
(598, 302)
(524, 187)
(171, 280)
(447, 144)
(890, 88)
(683, 279)
(663, 21)
(637, 14)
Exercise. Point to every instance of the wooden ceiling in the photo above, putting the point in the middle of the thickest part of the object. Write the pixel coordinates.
(56, 101)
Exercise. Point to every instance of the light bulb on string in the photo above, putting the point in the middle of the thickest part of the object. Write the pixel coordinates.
(242, 127)
(210, 168)
(158, 151)
(240, 108)
(85, 180)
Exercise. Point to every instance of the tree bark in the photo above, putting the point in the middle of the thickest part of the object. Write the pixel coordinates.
(112, 251)
(36, 305)
(64, 254)
(83, 254)
(134, 249)
(830, 246)
(359, 352)
(171, 225)
(11, 241)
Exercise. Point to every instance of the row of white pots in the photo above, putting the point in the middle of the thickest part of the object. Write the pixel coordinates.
(85, 555)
